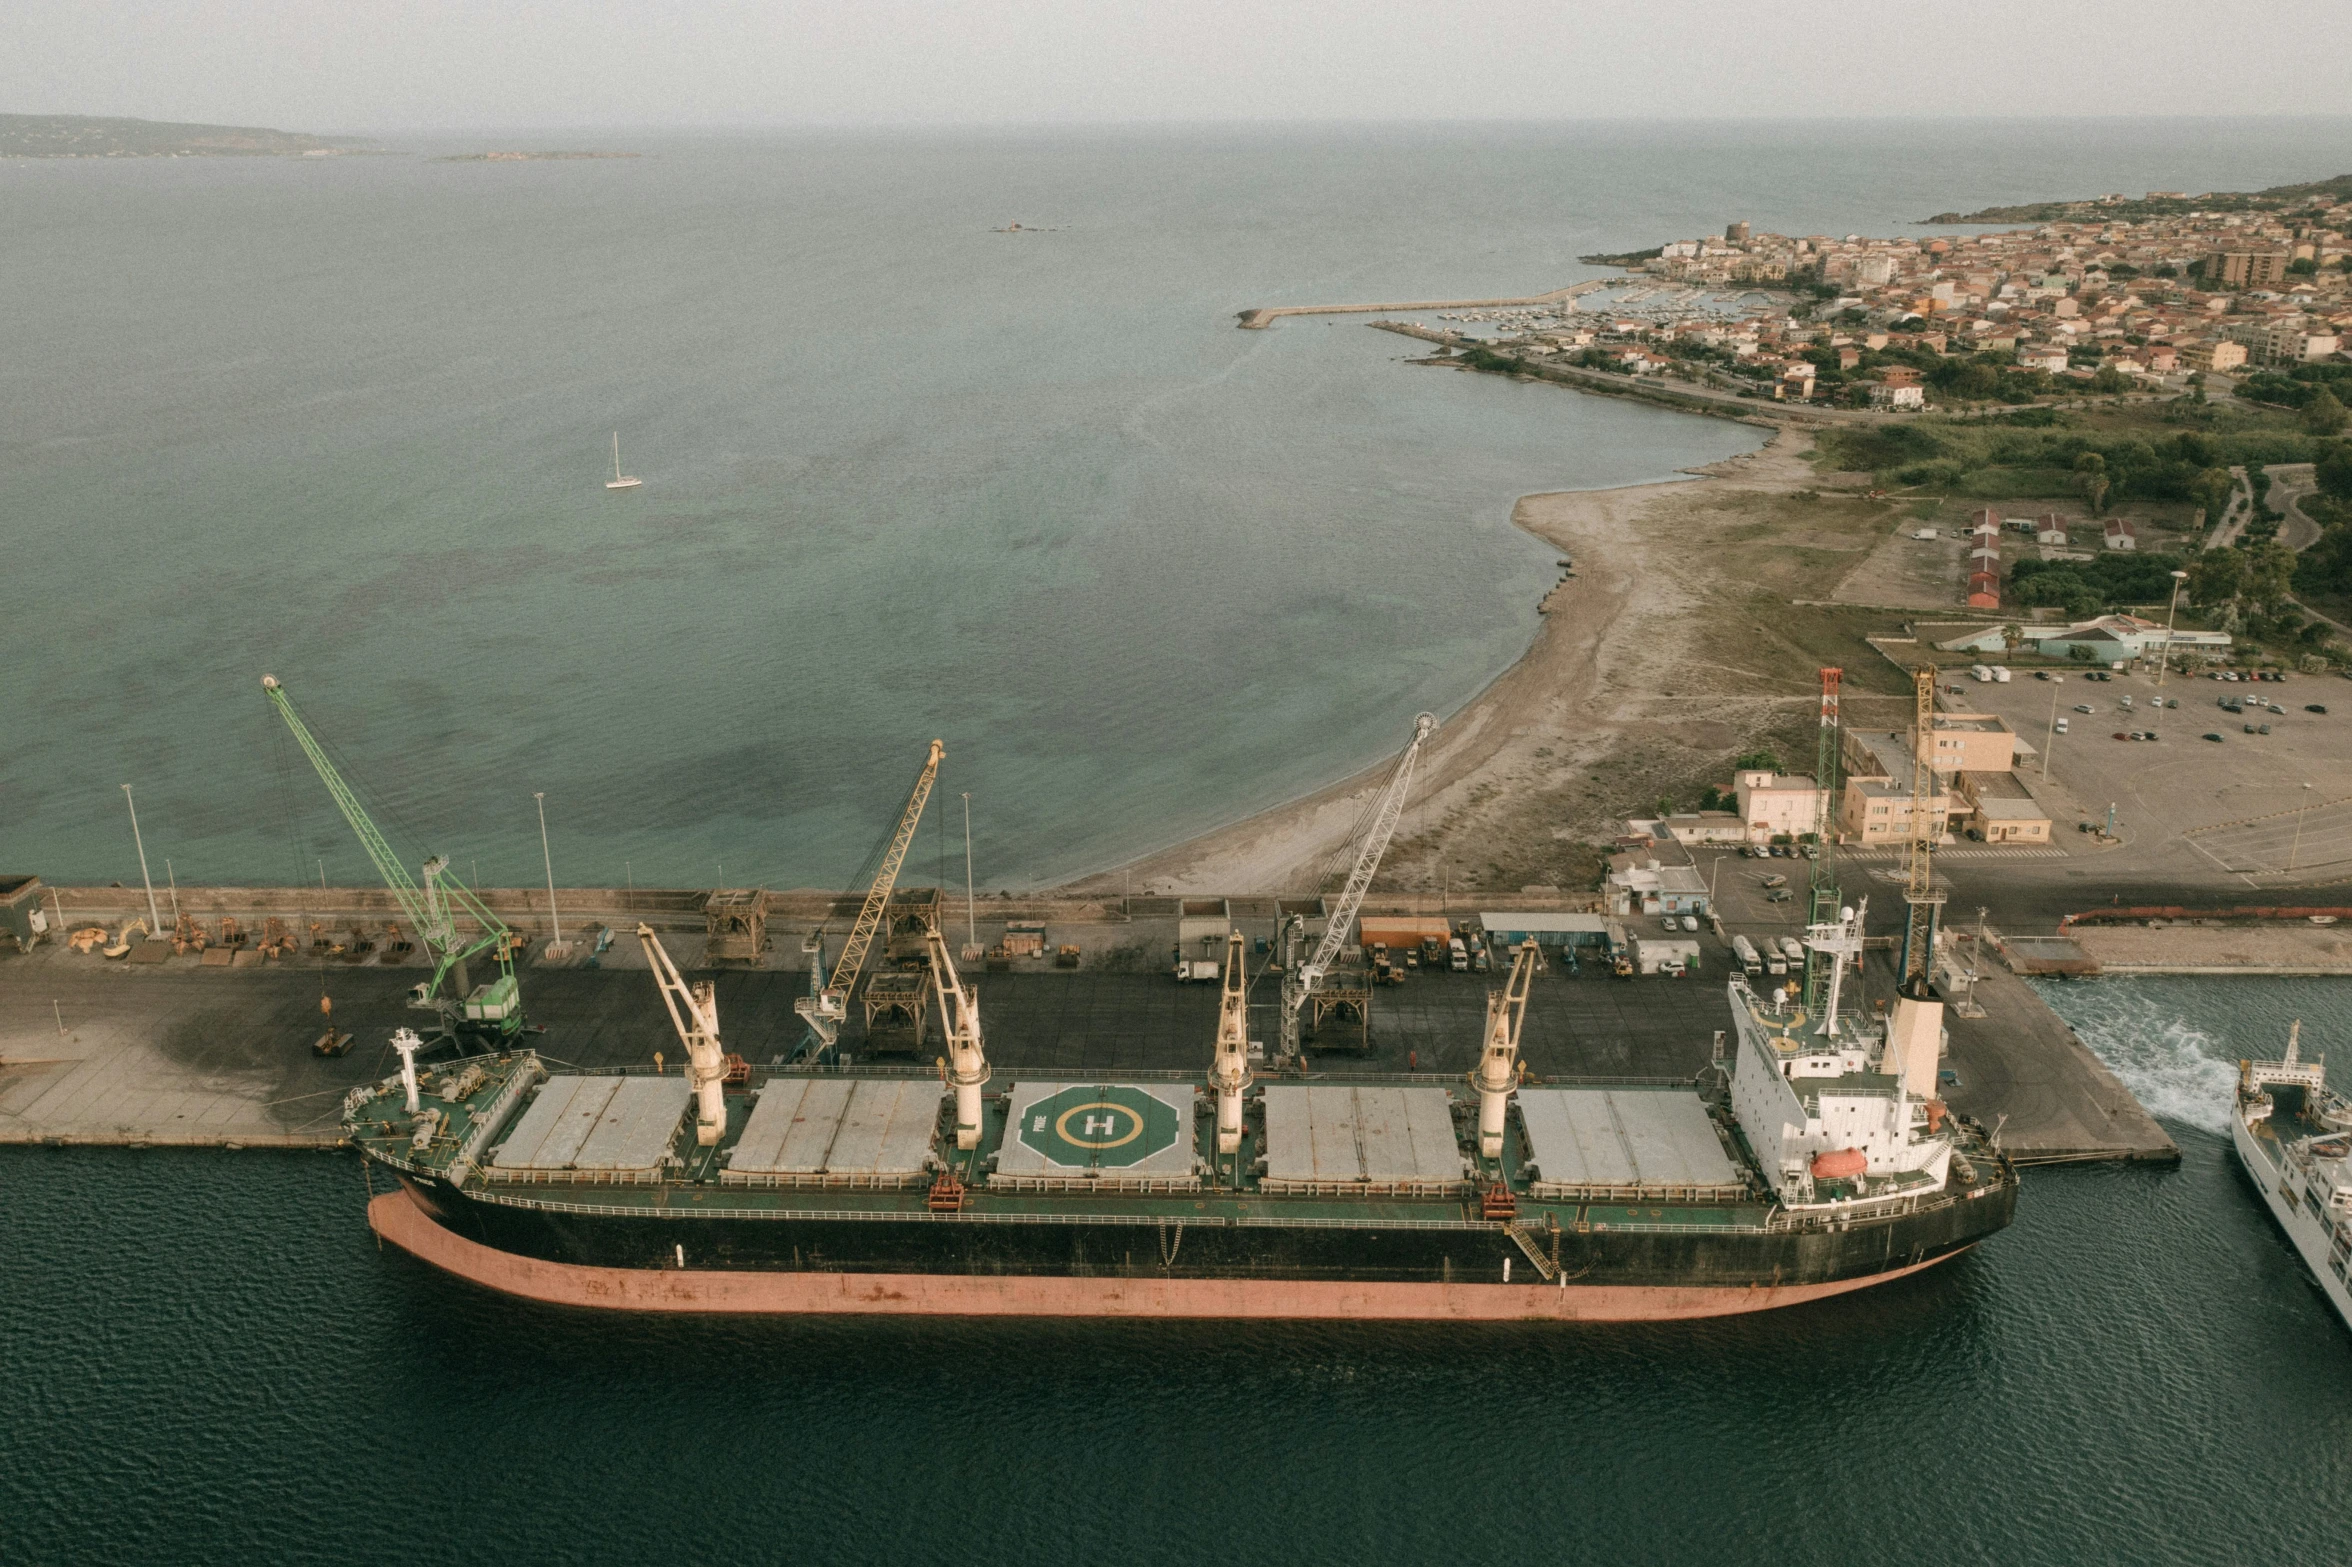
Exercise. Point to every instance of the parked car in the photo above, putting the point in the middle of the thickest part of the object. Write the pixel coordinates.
(2314, 707)
(2062, 726)
(2084, 707)
(2210, 735)
(1782, 894)
(1690, 923)
(1776, 880)
(2041, 674)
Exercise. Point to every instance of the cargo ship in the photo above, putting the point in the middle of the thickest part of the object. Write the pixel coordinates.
(1811, 1159)
(2294, 1136)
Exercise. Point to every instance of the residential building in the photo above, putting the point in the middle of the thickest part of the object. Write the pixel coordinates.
(2248, 268)
(1774, 805)
(2218, 355)
(2051, 531)
(2121, 535)
(2001, 811)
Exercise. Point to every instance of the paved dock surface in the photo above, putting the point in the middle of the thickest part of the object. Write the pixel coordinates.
(178, 1052)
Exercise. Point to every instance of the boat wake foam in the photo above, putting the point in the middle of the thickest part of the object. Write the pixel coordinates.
(2176, 1071)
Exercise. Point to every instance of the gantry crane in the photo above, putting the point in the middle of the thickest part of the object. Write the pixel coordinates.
(1230, 1073)
(494, 1009)
(1927, 825)
(1301, 978)
(694, 1013)
(826, 1009)
(1497, 1072)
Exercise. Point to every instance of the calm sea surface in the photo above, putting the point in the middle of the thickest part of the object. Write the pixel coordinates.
(346, 421)
(204, 1358)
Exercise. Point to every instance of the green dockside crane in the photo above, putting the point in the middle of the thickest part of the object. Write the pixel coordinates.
(495, 1009)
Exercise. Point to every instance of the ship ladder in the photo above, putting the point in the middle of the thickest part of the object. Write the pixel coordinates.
(1167, 1251)
(1547, 1261)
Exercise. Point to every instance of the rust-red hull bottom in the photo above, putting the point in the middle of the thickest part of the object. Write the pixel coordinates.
(397, 1218)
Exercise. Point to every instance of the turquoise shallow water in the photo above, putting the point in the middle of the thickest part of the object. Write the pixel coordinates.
(203, 1358)
(345, 421)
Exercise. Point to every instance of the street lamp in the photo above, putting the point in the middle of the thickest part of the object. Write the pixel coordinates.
(154, 915)
(2296, 848)
(554, 920)
(971, 908)
(2171, 610)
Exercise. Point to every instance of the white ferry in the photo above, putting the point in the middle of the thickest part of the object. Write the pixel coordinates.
(2294, 1136)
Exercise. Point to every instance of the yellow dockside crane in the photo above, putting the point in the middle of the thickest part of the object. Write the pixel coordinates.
(826, 1006)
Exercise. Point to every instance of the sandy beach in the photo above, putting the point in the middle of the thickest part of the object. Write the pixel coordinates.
(1614, 683)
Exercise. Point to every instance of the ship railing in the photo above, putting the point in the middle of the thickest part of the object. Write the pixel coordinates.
(800, 1069)
(514, 1199)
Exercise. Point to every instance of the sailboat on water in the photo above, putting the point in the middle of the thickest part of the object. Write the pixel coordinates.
(620, 480)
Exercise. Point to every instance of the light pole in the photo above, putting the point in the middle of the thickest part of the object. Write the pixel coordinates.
(154, 914)
(2296, 849)
(553, 919)
(2171, 610)
(2050, 738)
(971, 908)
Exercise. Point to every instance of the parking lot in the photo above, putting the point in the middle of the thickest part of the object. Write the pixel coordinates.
(2247, 804)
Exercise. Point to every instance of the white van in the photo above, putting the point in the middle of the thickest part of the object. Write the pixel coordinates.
(1980, 672)
(2062, 726)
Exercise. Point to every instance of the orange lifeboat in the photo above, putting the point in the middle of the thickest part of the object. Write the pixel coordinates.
(1839, 1164)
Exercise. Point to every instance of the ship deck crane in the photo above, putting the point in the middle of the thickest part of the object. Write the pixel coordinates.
(1924, 902)
(1497, 1072)
(1302, 978)
(1822, 908)
(496, 1008)
(824, 1010)
(694, 1013)
(1230, 1074)
(967, 1058)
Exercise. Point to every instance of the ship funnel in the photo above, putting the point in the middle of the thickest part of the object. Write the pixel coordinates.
(406, 1043)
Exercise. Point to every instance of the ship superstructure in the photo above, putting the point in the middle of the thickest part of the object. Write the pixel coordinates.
(2294, 1136)
(1805, 1168)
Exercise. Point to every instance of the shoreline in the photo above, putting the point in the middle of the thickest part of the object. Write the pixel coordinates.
(1537, 695)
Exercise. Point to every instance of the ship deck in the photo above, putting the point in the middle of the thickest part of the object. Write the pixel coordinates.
(465, 1149)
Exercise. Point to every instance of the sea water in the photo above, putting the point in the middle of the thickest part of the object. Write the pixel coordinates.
(347, 421)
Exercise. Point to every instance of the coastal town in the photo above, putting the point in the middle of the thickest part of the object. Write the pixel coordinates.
(2086, 306)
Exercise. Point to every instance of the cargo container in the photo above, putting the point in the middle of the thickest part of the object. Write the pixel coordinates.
(1402, 933)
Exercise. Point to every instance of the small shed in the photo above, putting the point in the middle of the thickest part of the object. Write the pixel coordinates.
(1546, 930)
(21, 915)
(1203, 923)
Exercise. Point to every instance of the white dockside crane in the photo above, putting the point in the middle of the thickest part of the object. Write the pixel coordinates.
(694, 1013)
(1231, 1074)
(1304, 977)
(967, 1061)
(1497, 1072)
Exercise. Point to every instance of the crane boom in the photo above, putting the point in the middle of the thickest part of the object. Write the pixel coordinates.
(432, 910)
(694, 1014)
(1498, 1061)
(826, 1010)
(959, 1016)
(1306, 976)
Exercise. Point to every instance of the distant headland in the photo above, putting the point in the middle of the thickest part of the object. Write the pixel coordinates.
(529, 157)
(2156, 204)
(96, 136)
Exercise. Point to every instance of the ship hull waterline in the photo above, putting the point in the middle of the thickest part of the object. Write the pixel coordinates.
(397, 1217)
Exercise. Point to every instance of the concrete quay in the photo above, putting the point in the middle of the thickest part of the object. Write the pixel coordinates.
(1257, 320)
(180, 1051)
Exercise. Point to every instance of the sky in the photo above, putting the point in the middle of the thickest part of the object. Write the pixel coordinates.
(376, 65)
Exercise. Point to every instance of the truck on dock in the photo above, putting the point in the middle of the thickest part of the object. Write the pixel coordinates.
(1745, 950)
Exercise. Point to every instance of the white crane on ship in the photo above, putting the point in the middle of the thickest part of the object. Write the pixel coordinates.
(959, 1019)
(694, 1013)
(1497, 1072)
(1230, 1073)
(1302, 978)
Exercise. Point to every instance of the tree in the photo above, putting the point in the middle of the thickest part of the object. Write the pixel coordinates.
(2216, 577)
(2333, 473)
(2324, 414)
(2211, 490)
(2090, 477)
(2270, 574)
(1757, 762)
